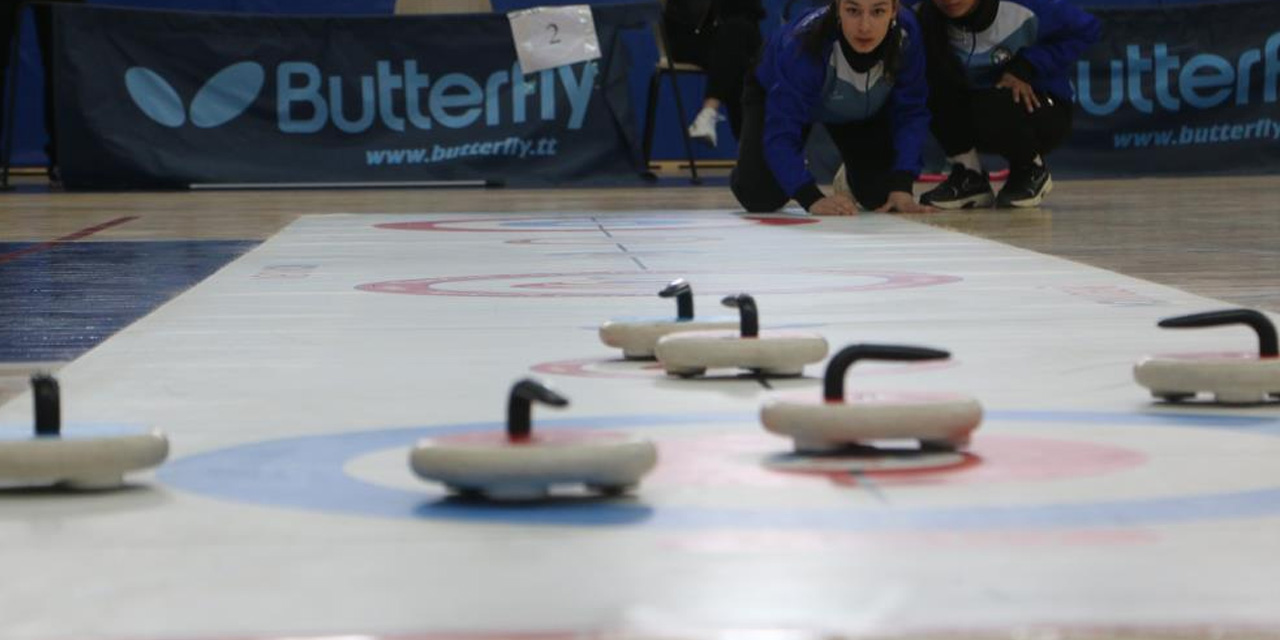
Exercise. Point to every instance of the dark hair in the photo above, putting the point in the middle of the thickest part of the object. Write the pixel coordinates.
(818, 33)
(942, 68)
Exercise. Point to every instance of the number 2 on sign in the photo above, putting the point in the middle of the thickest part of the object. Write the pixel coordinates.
(549, 37)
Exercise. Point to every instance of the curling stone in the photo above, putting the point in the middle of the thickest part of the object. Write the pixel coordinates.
(939, 421)
(638, 336)
(89, 457)
(775, 353)
(1232, 378)
(522, 465)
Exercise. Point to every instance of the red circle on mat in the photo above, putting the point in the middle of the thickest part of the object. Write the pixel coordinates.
(469, 224)
(613, 242)
(721, 459)
(609, 284)
(782, 221)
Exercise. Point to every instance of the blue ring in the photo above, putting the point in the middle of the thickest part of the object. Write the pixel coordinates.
(72, 431)
(307, 473)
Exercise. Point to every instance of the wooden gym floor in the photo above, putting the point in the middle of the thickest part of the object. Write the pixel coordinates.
(1210, 236)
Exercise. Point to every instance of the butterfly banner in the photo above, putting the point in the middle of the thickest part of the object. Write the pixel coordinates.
(149, 99)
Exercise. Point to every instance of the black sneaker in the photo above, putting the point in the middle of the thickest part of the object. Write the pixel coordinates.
(963, 189)
(1026, 187)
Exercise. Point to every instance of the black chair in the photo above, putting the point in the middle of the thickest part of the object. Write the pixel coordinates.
(668, 67)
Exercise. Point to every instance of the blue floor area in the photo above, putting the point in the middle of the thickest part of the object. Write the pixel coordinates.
(63, 300)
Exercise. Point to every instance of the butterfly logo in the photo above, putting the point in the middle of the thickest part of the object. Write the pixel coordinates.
(224, 97)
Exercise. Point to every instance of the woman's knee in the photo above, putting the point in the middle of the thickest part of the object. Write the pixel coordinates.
(756, 196)
(995, 109)
(871, 191)
(1001, 124)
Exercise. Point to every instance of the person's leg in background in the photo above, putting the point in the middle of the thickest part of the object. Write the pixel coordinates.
(685, 42)
(867, 151)
(953, 124)
(1023, 139)
(752, 180)
(693, 44)
(733, 44)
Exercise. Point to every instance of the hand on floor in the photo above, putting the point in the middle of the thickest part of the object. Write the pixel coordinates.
(837, 205)
(903, 202)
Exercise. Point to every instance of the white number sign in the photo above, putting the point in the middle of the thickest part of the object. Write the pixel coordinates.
(549, 37)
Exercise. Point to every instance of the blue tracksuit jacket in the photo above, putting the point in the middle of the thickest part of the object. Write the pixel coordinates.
(1039, 41)
(802, 89)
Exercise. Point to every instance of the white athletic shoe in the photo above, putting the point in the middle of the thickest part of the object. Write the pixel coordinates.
(704, 126)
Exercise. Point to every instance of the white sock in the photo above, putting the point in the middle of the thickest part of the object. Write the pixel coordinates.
(969, 159)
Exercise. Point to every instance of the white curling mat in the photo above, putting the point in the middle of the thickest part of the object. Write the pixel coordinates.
(292, 403)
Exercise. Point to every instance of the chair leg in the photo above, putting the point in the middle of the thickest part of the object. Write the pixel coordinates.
(650, 115)
(684, 133)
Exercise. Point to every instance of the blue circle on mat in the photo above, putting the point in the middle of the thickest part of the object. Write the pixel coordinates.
(72, 431)
(307, 473)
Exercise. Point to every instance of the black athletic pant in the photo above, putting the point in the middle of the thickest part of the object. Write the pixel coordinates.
(726, 50)
(9, 20)
(866, 148)
(990, 121)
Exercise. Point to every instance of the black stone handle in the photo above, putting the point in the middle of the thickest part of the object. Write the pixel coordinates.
(749, 316)
(520, 406)
(1267, 347)
(44, 391)
(833, 381)
(683, 293)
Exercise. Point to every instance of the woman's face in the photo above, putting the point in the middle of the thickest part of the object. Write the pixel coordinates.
(865, 23)
(956, 8)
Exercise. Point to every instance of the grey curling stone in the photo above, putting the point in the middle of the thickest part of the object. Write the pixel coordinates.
(638, 337)
(87, 457)
(772, 353)
(523, 465)
(832, 421)
(1231, 378)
